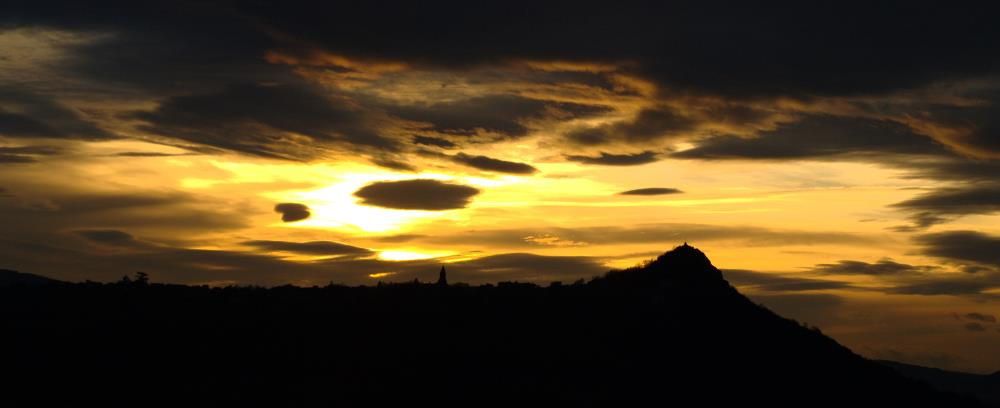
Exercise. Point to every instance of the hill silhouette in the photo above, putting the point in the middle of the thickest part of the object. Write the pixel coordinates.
(670, 332)
(14, 278)
(985, 387)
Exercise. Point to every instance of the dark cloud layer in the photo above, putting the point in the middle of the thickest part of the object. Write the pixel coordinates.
(648, 126)
(504, 116)
(962, 246)
(309, 248)
(291, 212)
(608, 159)
(776, 282)
(433, 141)
(26, 154)
(108, 237)
(668, 235)
(420, 194)
(491, 164)
(27, 115)
(955, 286)
(987, 318)
(975, 327)
(725, 48)
(817, 137)
(941, 205)
(15, 158)
(263, 120)
(882, 267)
(652, 191)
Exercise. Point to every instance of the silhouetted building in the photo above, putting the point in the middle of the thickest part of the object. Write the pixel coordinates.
(442, 278)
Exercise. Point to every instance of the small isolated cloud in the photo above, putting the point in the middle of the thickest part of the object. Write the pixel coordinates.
(652, 191)
(112, 238)
(418, 194)
(608, 159)
(309, 248)
(291, 212)
(491, 164)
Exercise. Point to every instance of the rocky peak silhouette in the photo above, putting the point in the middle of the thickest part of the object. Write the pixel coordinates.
(687, 264)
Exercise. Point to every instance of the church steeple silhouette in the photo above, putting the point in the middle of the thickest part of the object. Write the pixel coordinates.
(442, 278)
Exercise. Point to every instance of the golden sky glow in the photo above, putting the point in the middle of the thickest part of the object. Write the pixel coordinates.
(870, 213)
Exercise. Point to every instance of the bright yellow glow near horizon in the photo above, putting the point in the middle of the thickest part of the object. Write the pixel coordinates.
(404, 255)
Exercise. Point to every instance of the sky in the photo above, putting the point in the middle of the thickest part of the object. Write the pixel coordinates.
(840, 163)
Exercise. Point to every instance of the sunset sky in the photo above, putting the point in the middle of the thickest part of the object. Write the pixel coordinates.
(840, 164)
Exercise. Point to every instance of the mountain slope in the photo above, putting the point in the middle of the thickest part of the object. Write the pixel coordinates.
(671, 332)
(14, 278)
(985, 387)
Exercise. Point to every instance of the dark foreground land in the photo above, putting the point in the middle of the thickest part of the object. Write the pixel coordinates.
(671, 333)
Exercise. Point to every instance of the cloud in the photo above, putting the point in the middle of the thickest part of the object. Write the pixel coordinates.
(756, 51)
(26, 154)
(14, 158)
(648, 125)
(668, 235)
(398, 238)
(987, 318)
(817, 137)
(971, 129)
(108, 237)
(608, 159)
(946, 285)
(778, 282)
(42, 209)
(882, 267)
(898, 278)
(652, 191)
(942, 205)
(974, 327)
(291, 212)
(287, 121)
(491, 164)
(433, 141)
(309, 248)
(526, 267)
(150, 154)
(504, 116)
(961, 246)
(419, 194)
(27, 115)
(392, 163)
